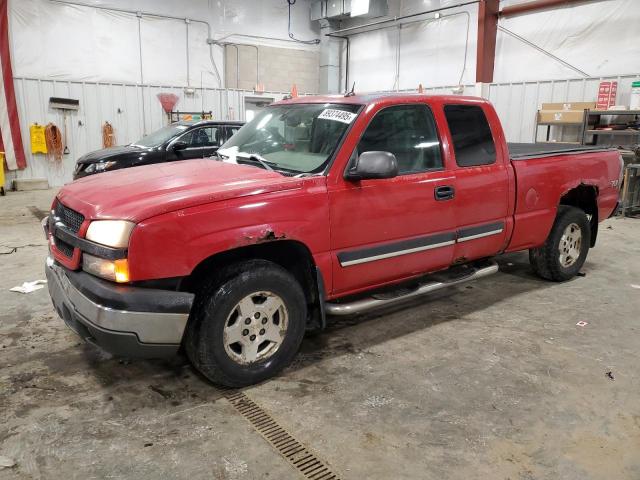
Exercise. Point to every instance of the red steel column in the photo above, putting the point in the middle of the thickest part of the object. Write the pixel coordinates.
(487, 30)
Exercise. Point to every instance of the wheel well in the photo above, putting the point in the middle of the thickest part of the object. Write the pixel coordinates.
(584, 197)
(292, 255)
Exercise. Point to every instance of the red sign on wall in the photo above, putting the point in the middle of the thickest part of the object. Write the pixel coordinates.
(607, 95)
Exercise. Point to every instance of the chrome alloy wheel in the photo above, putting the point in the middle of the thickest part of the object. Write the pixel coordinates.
(570, 245)
(255, 328)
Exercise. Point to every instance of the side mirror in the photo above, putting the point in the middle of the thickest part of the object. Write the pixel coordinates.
(371, 165)
(179, 145)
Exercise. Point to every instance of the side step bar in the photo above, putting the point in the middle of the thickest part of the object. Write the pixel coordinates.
(376, 301)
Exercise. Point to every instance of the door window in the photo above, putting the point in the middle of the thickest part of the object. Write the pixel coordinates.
(407, 131)
(472, 140)
(201, 137)
(231, 131)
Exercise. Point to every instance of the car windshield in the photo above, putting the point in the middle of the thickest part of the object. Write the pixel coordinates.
(298, 138)
(160, 136)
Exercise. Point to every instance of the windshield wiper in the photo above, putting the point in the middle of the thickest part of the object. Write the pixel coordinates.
(256, 157)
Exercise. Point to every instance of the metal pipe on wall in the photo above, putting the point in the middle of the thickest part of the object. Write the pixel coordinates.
(141, 14)
(346, 31)
(236, 45)
(186, 22)
(381, 26)
(144, 119)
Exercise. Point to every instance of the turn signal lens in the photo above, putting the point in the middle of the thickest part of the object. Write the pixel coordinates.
(116, 271)
(121, 270)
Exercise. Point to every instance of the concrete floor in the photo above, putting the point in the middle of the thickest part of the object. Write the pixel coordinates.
(489, 380)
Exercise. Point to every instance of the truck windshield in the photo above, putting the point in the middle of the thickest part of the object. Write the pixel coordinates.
(299, 138)
(160, 136)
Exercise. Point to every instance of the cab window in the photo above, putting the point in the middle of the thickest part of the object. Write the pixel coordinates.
(201, 137)
(472, 140)
(407, 131)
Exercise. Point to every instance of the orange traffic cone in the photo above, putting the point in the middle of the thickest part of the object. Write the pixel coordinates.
(294, 91)
(420, 89)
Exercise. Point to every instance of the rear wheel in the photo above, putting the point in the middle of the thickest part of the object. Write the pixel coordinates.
(247, 324)
(565, 251)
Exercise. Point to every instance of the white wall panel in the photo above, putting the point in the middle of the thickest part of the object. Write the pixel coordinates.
(80, 43)
(517, 103)
(599, 38)
(119, 104)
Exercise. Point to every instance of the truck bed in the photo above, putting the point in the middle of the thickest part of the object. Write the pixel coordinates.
(523, 151)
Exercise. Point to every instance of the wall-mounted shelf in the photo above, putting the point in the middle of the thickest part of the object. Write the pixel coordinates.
(614, 112)
(613, 132)
(596, 115)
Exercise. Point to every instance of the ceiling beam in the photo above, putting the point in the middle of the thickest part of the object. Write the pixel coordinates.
(536, 6)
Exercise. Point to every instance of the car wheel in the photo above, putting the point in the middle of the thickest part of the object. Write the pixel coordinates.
(565, 251)
(247, 325)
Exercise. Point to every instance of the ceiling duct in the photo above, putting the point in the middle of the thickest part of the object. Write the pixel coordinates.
(341, 9)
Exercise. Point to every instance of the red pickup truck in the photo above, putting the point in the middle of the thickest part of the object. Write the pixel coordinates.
(319, 206)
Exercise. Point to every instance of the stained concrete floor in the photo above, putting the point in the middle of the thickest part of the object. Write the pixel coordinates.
(489, 380)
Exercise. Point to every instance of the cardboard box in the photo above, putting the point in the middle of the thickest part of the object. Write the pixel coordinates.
(577, 106)
(560, 116)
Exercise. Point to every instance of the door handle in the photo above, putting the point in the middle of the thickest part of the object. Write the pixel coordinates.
(445, 192)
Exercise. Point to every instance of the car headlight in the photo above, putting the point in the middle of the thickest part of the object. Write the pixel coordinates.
(99, 167)
(112, 233)
(114, 270)
(102, 166)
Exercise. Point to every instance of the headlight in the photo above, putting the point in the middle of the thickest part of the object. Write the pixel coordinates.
(99, 167)
(112, 233)
(116, 270)
(102, 166)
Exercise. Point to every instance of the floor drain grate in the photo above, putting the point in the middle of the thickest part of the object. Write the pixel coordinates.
(291, 449)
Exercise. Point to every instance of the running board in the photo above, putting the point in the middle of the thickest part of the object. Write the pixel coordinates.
(379, 300)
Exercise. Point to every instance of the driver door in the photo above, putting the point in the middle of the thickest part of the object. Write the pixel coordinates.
(384, 230)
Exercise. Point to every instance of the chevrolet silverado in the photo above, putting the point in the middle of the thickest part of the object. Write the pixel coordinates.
(319, 206)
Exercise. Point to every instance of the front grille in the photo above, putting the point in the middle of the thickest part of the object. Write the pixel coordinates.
(71, 219)
(64, 247)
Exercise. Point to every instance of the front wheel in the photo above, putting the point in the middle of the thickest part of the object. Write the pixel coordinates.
(247, 325)
(565, 251)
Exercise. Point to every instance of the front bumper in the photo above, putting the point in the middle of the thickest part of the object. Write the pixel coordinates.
(123, 320)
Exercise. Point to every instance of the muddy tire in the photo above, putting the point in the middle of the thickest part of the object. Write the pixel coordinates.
(565, 251)
(247, 324)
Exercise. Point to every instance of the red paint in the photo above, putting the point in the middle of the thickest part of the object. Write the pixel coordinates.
(188, 211)
(487, 33)
(13, 136)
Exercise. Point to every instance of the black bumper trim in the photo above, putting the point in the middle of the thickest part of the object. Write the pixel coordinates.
(133, 299)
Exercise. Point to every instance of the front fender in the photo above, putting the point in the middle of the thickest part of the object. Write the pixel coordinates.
(173, 244)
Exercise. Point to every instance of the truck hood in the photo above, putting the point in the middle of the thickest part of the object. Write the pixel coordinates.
(139, 193)
(111, 152)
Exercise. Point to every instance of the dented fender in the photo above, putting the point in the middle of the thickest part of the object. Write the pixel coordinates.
(175, 243)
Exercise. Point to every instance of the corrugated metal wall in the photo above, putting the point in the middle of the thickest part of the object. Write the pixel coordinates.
(517, 103)
(131, 109)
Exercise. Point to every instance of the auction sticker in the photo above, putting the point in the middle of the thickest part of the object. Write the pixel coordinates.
(337, 115)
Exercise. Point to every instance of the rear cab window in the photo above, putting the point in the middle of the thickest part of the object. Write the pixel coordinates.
(473, 143)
